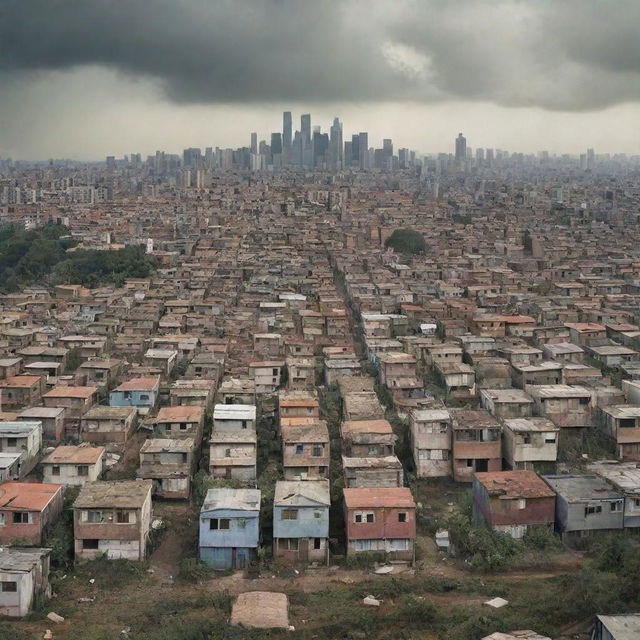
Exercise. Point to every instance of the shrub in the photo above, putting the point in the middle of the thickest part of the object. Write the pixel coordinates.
(406, 241)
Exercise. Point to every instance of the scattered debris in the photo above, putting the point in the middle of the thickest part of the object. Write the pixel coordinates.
(48, 635)
(157, 524)
(54, 617)
(384, 570)
(126, 631)
(496, 603)
(371, 601)
(442, 539)
(92, 599)
(92, 580)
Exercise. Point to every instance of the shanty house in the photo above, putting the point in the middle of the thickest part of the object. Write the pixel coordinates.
(24, 576)
(73, 465)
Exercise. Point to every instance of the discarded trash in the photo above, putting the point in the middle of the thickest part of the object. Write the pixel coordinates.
(48, 635)
(291, 628)
(442, 539)
(87, 599)
(496, 603)
(371, 601)
(54, 617)
(126, 631)
(156, 524)
(382, 571)
(92, 580)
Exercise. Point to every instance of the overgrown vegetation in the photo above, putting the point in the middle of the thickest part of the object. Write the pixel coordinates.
(92, 268)
(28, 256)
(406, 241)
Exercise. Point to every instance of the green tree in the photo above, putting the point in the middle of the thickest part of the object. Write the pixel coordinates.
(406, 241)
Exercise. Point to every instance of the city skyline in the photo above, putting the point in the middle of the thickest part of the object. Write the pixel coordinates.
(518, 75)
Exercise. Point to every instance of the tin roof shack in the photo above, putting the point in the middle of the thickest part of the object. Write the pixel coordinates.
(367, 438)
(624, 477)
(585, 505)
(476, 443)
(305, 450)
(372, 472)
(612, 356)
(567, 406)
(301, 521)
(398, 373)
(337, 367)
(581, 374)
(237, 391)
(444, 353)
(23, 438)
(229, 528)
(73, 465)
(169, 463)
(458, 379)
(541, 373)
(52, 419)
(180, 422)
(206, 365)
(27, 510)
(24, 576)
(10, 367)
(234, 417)
(233, 455)
(507, 403)
(112, 518)
(621, 626)
(9, 466)
(492, 373)
(430, 431)
(266, 375)
(622, 424)
(141, 393)
(298, 404)
(563, 352)
(192, 393)
(163, 360)
(102, 425)
(18, 392)
(382, 521)
(530, 443)
(100, 372)
(585, 334)
(512, 502)
(301, 372)
(362, 405)
(519, 353)
(496, 326)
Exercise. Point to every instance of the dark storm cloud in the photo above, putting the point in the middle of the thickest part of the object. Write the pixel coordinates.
(569, 54)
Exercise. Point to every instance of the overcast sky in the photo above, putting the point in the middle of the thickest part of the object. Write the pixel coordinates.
(89, 78)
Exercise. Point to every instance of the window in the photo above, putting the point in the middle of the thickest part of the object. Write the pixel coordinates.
(22, 517)
(90, 543)
(123, 517)
(274, 372)
(364, 516)
(9, 586)
(317, 543)
(299, 448)
(550, 438)
(183, 426)
(317, 514)
(83, 470)
(95, 516)
(470, 462)
(244, 424)
(144, 397)
(288, 544)
(522, 503)
(584, 401)
(12, 442)
(183, 457)
(227, 453)
(289, 514)
(627, 423)
(318, 450)
(55, 470)
(402, 517)
(616, 507)
(591, 510)
(220, 524)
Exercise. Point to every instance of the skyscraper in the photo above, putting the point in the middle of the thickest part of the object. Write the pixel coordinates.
(335, 145)
(363, 150)
(254, 143)
(305, 130)
(286, 137)
(461, 149)
(355, 149)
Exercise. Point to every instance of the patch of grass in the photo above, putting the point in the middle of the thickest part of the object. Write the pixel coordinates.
(112, 574)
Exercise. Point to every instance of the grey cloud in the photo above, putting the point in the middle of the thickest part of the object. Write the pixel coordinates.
(569, 55)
